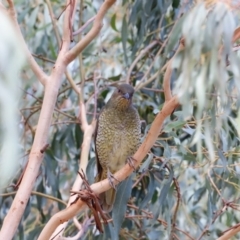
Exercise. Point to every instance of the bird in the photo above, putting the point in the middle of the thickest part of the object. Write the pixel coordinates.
(117, 138)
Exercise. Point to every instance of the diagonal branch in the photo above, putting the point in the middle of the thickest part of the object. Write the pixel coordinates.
(81, 29)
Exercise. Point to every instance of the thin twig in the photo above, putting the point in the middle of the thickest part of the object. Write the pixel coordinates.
(36, 194)
(65, 122)
(174, 218)
(96, 76)
(216, 215)
(81, 29)
(217, 190)
(53, 19)
(150, 216)
(72, 83)
(80, 57)
(43, 58)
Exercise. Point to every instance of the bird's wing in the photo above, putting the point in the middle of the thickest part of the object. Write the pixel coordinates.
(99, 167)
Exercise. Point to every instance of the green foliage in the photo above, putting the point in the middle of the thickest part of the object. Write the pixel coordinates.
(192, 170)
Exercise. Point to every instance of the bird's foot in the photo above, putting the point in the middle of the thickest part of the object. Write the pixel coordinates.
(131, 161)
(111, 179)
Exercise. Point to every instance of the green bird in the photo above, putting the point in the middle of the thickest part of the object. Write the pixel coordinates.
(117, 138)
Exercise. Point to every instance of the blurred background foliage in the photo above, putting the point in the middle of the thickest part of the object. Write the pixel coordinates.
(188, 185)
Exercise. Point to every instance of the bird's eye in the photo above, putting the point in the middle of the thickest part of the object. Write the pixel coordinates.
(119, 91)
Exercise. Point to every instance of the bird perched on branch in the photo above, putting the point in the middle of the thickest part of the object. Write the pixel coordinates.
(117, 138)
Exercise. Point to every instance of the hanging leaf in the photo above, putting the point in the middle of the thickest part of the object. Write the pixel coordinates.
(120, 205)
(113, 22)
(124, 34)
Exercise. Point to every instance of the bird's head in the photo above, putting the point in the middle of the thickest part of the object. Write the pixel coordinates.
(122, 96)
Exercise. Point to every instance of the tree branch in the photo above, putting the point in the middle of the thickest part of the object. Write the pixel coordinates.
(81, 29)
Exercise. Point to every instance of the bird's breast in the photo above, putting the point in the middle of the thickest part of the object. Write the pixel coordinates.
(117, 139)
(120, 149)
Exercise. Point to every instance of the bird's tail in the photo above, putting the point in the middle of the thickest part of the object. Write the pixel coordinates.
(106, 198)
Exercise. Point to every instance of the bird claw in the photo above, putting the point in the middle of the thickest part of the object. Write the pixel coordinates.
(110, 179)
(130, 161)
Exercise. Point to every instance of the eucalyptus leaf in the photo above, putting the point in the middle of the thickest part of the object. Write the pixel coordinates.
(174, 125)
(113, 22)
(164, 192)
(146, 163)
(223, 159)
(120, 205)
(176, 34)
(124, 34)
(150, 191)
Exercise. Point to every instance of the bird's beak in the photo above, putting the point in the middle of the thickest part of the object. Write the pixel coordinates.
(126, 96)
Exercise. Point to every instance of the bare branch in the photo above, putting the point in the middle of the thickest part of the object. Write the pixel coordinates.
(95, 77)
(43, 58)
(174, 218)
(215, 187)
(80, 56)
(80, 30)
(72, 83)
(53, 19)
